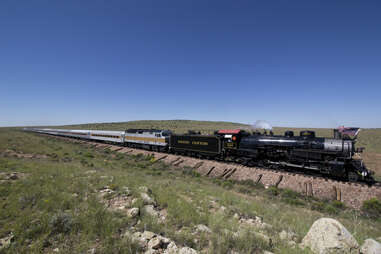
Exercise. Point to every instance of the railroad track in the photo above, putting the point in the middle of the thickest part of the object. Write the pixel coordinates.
(351, 194)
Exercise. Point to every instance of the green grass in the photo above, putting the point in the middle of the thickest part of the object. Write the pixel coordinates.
(55, 204)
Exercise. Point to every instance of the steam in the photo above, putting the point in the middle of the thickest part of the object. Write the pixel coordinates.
(261, 124)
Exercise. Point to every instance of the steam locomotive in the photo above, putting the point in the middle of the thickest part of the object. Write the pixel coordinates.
(335, 157)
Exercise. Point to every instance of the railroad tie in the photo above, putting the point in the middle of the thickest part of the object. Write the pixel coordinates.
(178, 158)
(311, 192)
(226, 171)
(279, 180)
(162, 158)
(210, 171)
(259, 178)
(337, 193)
(230, 173)
(178, 163)
(198, 165)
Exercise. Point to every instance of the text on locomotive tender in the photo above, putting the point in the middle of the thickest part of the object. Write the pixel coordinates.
(193, 142)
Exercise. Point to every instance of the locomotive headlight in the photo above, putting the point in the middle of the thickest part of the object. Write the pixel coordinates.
(364, 173)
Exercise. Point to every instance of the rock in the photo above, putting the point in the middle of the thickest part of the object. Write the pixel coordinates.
(6, 241)
(291, 243)
(126, 191)
(13, 176)
(370, 246)
(222, 210)
(56, 250)
(257, 223)
(329, 236)
(106, 190)
(147, 235)
(151, 211)
(267, 252)
(288, 235)
(133, 201)
(187, 250)
(145, 189)
(171, 248)
(155, 243)
(90, 172)
(147, 200)
(133, 212)
(236, 216)
(378, 239)
(203, 229)
(265, 238)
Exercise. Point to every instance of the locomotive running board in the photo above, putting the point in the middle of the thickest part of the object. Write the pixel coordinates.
(292, 165)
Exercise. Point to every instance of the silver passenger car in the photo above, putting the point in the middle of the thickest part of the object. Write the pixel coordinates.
(111, 136)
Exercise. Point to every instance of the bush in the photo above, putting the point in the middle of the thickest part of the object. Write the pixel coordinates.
(273, 191)
(61, 223)
(325, 207)
(372, 208)
(338, 204)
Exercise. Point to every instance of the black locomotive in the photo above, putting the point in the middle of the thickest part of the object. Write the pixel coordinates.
(306, 152)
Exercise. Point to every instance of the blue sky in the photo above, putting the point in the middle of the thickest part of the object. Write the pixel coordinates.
(292, 63)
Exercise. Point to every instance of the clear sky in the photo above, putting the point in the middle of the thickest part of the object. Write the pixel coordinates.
(292, 63)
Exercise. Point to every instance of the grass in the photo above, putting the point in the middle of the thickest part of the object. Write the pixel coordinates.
(55, 204)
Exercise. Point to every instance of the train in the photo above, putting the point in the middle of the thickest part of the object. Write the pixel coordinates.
(336, 157)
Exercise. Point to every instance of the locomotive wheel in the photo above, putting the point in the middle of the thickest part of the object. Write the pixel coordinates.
(352, 177)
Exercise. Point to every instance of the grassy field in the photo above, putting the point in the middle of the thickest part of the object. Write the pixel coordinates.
(53, 204)
(368, 138)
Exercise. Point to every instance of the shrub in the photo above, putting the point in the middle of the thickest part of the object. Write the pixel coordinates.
(273, 191)
(372, 208)
(88, 155)
(227, 184)
(61, 223)
(338, 204)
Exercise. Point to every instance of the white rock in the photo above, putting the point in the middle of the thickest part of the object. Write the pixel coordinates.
(187, 250)
(145, 189)
(56, 250)
(126, 191)
(133, 212)
(257, 223)
(151, 211)
(6, 241)
(155, 243)
(147, 200)
(329, 236)
(147, 235)
(200, 228)
(171, 249)
(370, 246)
(264, 237)
(288, 235)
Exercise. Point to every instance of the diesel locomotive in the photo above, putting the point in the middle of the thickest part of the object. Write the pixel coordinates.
(336, 157)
